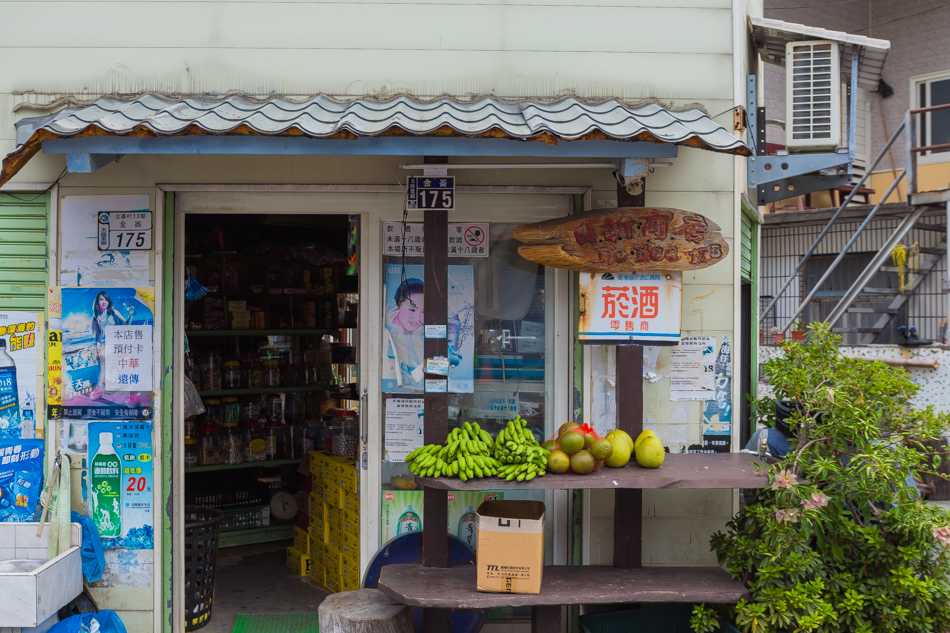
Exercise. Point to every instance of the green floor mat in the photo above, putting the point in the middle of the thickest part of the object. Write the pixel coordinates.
(276, 623)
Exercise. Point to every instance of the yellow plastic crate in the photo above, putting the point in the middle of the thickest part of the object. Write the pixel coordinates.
(298, 562)
(302, 540)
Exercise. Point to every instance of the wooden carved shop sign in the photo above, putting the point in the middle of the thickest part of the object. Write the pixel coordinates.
(624, 240)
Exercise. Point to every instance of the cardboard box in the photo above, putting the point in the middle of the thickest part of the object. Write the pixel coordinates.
(510, 536)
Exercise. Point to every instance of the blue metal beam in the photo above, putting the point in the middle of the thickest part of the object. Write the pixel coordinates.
(364, 146)
(85, 163)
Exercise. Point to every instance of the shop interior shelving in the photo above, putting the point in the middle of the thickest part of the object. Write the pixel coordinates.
(268, 332)
(272, 463)
(256, 535)
(256, 390)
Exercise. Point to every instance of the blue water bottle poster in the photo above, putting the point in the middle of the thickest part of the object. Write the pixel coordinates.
(18, 374)
(107, 337)
(120, 483)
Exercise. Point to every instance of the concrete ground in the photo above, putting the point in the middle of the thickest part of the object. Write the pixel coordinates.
(255, 579)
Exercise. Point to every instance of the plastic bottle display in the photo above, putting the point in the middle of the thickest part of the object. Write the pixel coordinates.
(409, 521)
(106, 480)
(9, 396)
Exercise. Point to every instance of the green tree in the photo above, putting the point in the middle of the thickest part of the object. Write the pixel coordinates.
(839, 541)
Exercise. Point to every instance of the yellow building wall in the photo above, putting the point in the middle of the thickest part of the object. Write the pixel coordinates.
(930, 177)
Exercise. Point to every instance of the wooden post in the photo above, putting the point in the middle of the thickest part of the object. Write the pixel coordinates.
(435, 538)
(628, 503)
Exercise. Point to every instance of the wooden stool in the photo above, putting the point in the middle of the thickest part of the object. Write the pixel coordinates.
(364, 611)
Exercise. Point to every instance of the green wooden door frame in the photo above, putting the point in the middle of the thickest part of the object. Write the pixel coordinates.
(750, 248)
(168, 339)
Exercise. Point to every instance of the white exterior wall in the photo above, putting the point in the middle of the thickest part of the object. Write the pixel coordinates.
(678, 53)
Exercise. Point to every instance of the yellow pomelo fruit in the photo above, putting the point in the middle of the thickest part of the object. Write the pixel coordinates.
(550, 445)
(621, 453)
(571, 442)
(650, 452)
(582, 462)
(601, 449)
(617, 434)
(645, 434)
(558, 462)
(568, 426)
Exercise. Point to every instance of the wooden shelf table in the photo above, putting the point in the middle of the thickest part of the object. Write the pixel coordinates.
(442, 588)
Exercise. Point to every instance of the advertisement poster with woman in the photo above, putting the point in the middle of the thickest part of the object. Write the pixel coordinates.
(18, 357)
(89, 314)
(403, 362)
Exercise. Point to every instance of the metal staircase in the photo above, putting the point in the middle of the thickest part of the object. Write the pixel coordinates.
(918, 204)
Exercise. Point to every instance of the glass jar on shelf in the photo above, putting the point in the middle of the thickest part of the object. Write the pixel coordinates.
(344, 434)
(209, 444)
(191, 451)
(250, 408)
(291, 374)
(232, 410)
(232, 444)
(270, 376)
(255, 441)
(275, 433)
(253, 374)
(211, 371)
(232, 374)
(214, 410)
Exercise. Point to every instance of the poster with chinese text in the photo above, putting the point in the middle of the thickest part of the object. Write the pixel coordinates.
(642, 307)
(18, 373)
(717, 411)
(403, 363)
(132, 445)
(90, 315)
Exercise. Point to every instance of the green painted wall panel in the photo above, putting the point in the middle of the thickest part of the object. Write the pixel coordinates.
(23, 223)
(25, 263)
(22, 276)
(24, 235)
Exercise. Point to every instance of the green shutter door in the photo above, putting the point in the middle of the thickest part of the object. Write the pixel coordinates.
(747, 254)
(24, 233)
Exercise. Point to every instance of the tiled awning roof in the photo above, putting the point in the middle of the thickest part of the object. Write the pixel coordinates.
(320, 117)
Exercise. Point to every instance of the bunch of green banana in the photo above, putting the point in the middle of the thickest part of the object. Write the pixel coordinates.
(466, 454)
(519, 451)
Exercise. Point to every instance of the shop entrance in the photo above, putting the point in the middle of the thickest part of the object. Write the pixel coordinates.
(271, 322)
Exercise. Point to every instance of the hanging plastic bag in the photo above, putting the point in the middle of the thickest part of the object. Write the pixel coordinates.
(193, 403)
(193, 289)
(103, 622)
(93, 557)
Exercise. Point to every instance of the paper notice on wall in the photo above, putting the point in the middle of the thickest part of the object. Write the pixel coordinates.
(82, 263)
(692, 369)
(717, 412)
(405, 426)
(128, 358)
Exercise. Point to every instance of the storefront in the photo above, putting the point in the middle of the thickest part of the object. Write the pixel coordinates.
(285, 278)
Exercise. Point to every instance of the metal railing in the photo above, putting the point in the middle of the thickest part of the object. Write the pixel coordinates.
(909, 172)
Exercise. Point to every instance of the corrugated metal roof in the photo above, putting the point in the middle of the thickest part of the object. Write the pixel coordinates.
(567, 119)
(771, 36)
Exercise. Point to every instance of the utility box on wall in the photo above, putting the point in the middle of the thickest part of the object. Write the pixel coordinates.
(812, 95)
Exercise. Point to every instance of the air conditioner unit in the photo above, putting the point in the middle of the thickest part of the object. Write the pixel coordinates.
(812, 95)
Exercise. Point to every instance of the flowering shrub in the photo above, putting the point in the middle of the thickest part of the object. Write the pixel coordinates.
(839, 542)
